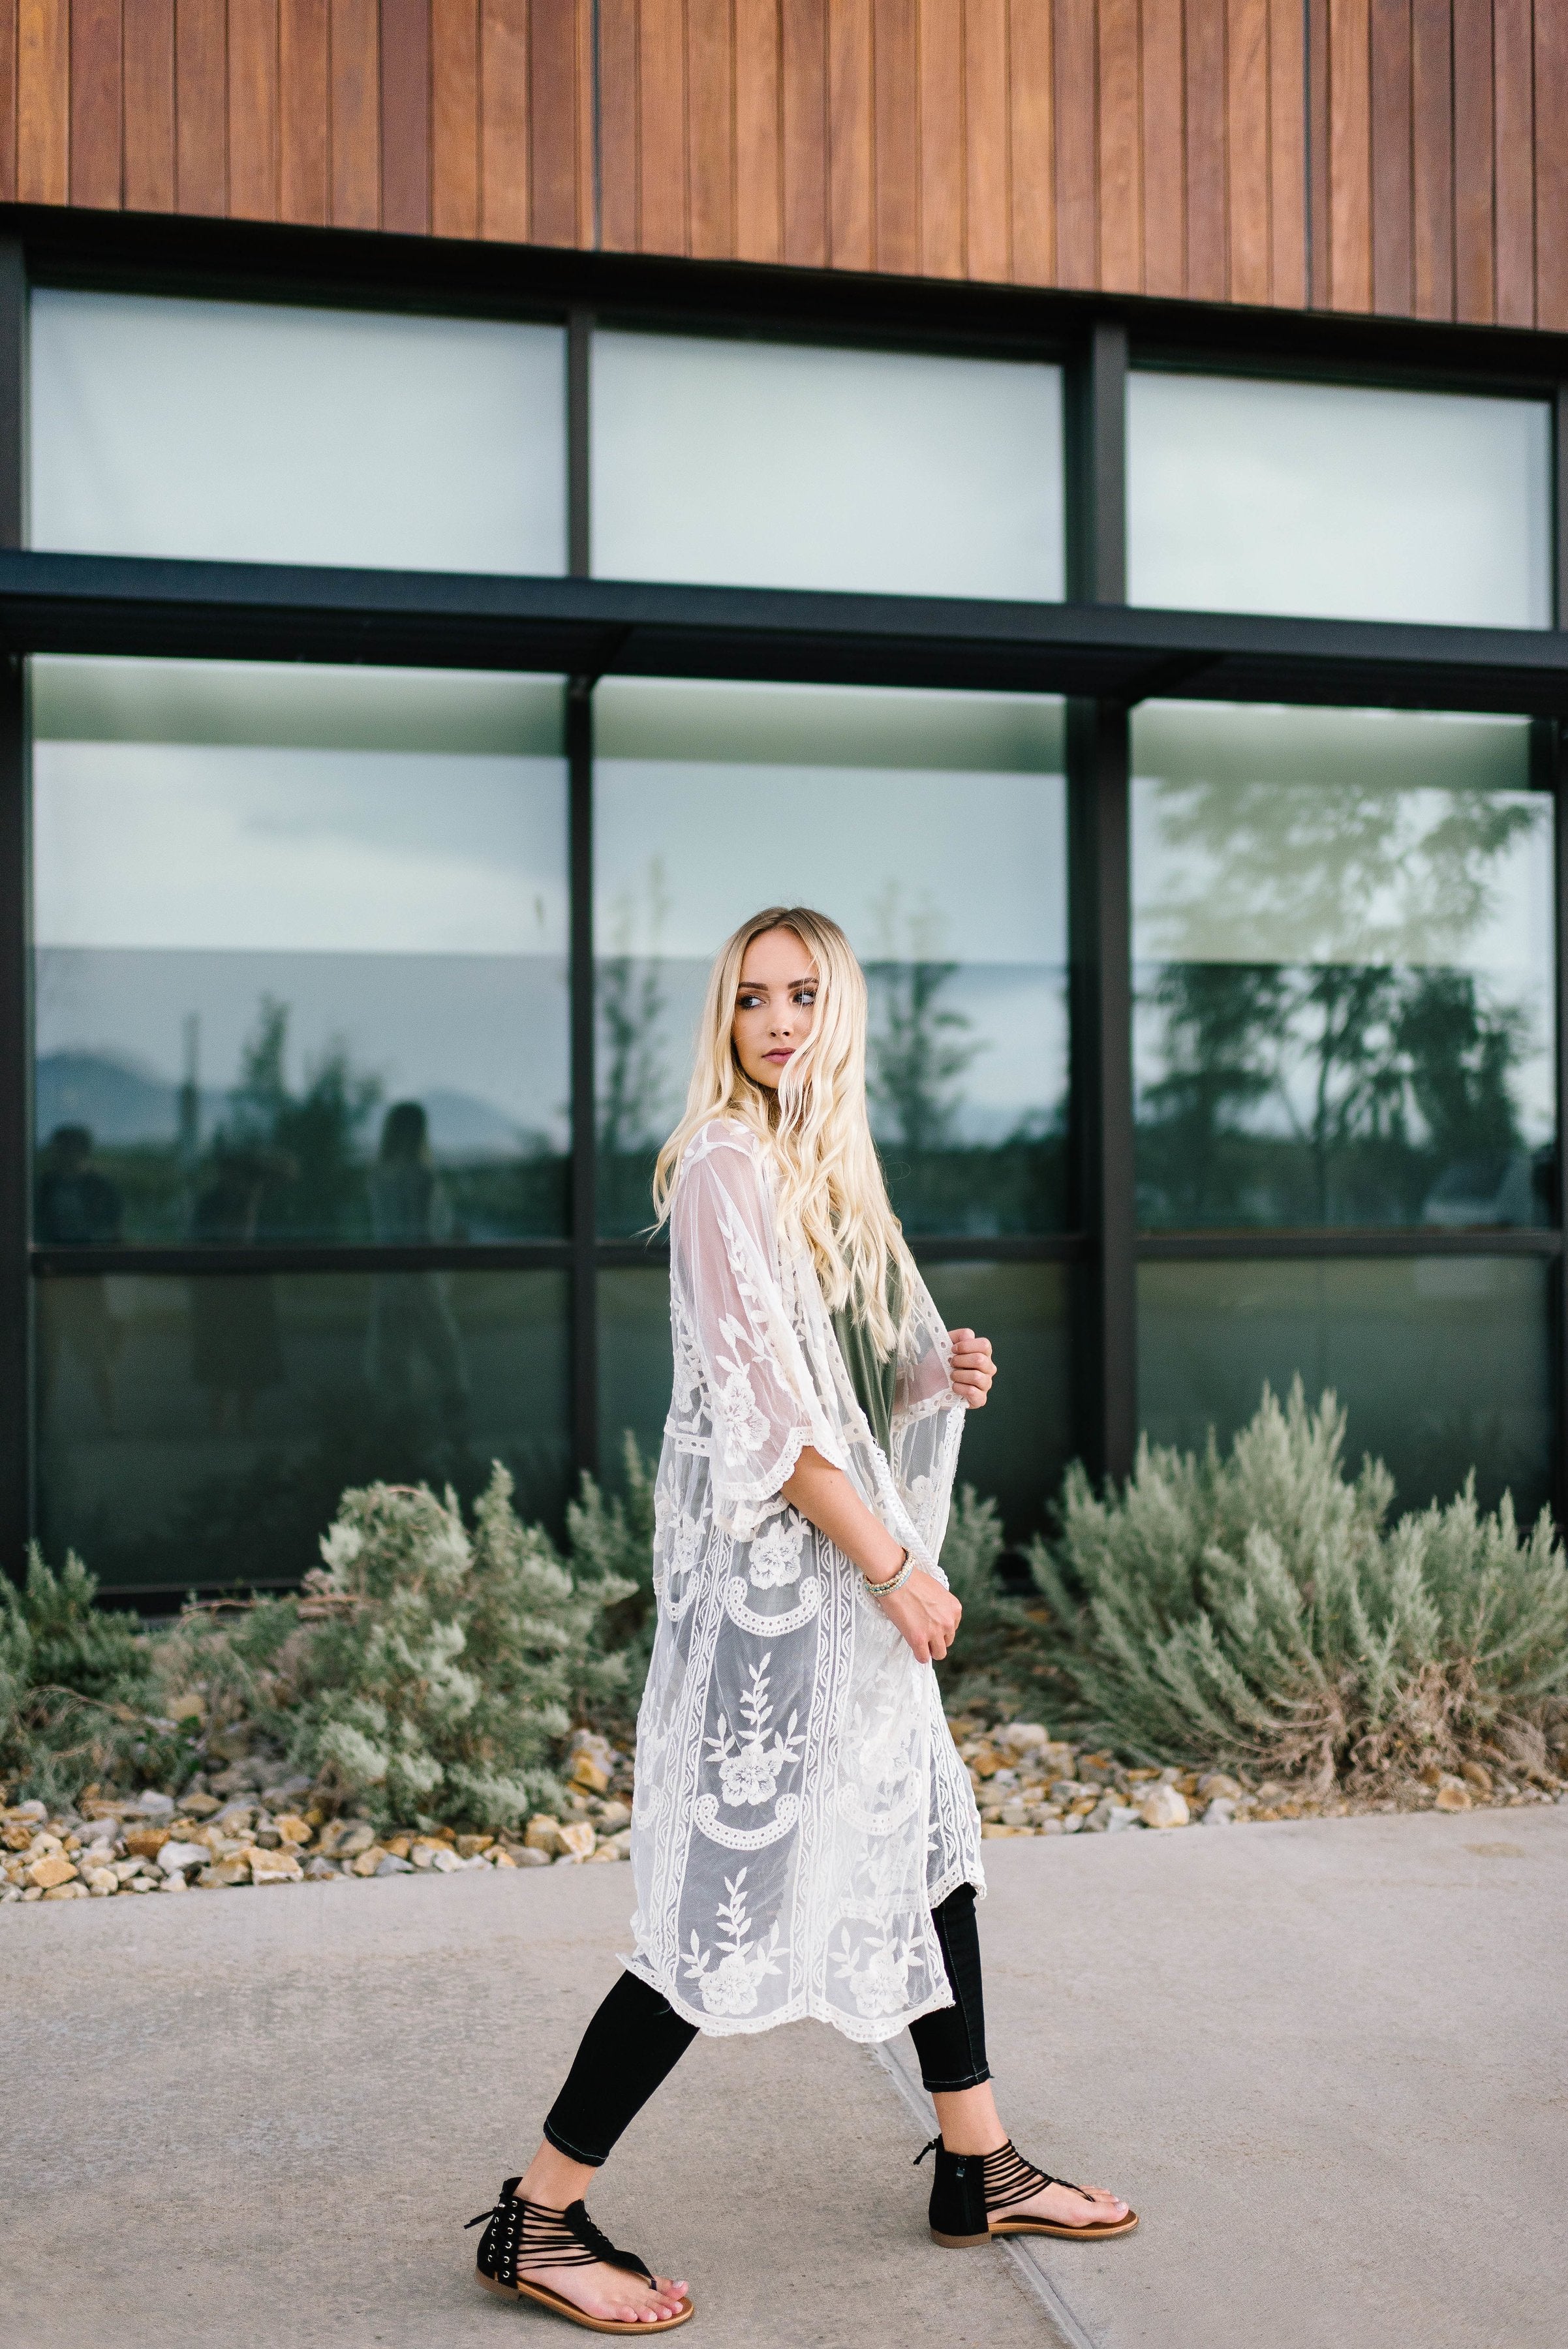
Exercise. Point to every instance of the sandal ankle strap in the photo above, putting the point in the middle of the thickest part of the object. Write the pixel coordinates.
(523, 2235)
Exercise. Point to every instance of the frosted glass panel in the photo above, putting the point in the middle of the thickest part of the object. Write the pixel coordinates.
(1338, 502)
(773, 465)
(255, 433)
(300, 954)
(933, 827)
(1344, 967)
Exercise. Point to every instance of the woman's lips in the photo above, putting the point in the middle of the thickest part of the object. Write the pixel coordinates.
(788, 1055)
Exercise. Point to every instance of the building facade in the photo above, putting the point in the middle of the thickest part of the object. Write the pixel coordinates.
(492, 494)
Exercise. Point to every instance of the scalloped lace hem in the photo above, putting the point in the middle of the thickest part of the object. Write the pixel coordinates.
(863, 2030)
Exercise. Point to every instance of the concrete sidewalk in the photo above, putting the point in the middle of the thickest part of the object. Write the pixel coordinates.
(1326, 2059)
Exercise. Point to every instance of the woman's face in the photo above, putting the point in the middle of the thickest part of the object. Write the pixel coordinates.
(775, 1003)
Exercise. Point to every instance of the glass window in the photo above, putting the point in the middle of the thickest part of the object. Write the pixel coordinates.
(248, 431)
(1014, 1451)
(301, 954)
(1343, 962)
(200, 1431)
(781, 465)
(933, 827)
(1441, 1363)
(1343, 502)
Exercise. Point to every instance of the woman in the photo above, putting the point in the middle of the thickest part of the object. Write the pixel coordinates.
(805, 1840)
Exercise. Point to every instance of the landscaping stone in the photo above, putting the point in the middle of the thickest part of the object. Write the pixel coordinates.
(1164, 1806)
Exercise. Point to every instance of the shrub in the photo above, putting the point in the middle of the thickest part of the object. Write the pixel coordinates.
(1256, 1609)
(610, 1539)
(78, 1698)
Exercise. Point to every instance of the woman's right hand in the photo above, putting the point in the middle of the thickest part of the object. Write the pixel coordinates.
(925, 1614)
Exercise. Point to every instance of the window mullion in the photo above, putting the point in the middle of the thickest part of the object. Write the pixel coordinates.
(584, 1185)
(16, 960)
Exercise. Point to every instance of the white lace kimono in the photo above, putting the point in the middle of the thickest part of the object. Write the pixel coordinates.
(800, 1805)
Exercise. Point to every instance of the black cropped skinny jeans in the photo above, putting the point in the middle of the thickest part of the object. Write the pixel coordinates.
(636, 2039)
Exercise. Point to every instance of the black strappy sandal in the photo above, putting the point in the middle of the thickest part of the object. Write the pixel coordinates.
(523, 2235)
(969, 2188)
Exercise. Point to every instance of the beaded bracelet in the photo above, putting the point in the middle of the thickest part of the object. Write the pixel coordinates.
(885, 1589)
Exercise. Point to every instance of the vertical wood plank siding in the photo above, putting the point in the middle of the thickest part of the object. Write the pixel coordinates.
(1399, 156)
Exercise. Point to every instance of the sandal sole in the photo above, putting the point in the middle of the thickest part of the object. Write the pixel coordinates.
(1066, 2234)
(560, 2306)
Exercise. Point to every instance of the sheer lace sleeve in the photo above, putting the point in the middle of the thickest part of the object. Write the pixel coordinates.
(731, 1311)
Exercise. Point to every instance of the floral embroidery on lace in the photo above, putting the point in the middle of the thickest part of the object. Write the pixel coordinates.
(833, 1759)
(732, 1988)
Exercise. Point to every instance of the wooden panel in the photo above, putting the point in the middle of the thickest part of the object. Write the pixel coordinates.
(987, 145)
(1319, 218)
(804, 135)
(1393, 285)
(253, 109)
(553, 115)
(711, 126)
(1031, 140)
(455, 118)
(1287, 154)
(1164, 149)
(8, 101)
(1120, 176)
(1077, 112)
(1247, 150)
(43, 101)
(1473, 248)
(354, 92)
(1432, 157)
(895, 135)
(620, 163)
(1514, 67)
(504, 119)
(1350, 154)
(95, 137)
(663, 203)
(1207, 267)
(148, 74)
(200, 106)
(1551, 173)
(302, 110)
(850, 114)
(759, 193)
(406, 116)
(940, 148)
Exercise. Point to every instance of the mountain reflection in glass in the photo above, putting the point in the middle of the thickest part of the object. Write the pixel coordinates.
(300, 968)
(1343, 970)
(933, 827)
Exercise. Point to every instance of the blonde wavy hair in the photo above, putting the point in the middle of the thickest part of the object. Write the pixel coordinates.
(829, 1189)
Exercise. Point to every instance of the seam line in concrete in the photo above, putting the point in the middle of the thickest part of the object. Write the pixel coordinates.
(1020, 2249)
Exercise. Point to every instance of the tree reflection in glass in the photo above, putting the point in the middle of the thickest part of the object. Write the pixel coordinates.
(1342, 949)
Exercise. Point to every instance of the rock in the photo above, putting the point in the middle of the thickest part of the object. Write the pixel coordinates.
(346, 1838)
(543, 1834)
(179, 1856)
(145, 1842)
(150, 1804)
(224, 1873)
(1220, 1812)
(498, 1858)
(287, 1795)
(616, 1846)
(237, 1779)
(101, 1881)
(985, 1762)
(468, 1845)
(577, 1840)
(175, 1883)
(423, 1854)
(1022, 1737)
(1014, 1814)
(1164, 1806)
(993, 1829)
(366, 1862)
(387, 1864)
(530, 1856)
(65, 1893)
(1453, 1794)
(397, 1844)
(292, 1828)
(446, 1860)
(590, 1774)
(1477, 1775)
(200, 1806)
(613, 1816)
(273, 1867)
(318, 1870)
(1216, 1785)
(50, 1870)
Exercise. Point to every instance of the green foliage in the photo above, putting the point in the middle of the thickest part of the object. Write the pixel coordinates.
(610, 1539)
(78, 1696)
(1256, 1609)
(997, 1656)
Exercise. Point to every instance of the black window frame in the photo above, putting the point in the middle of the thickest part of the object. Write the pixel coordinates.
(1095, 649)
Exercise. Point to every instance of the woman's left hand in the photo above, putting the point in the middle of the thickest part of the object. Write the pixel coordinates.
(973, 1370)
